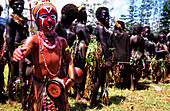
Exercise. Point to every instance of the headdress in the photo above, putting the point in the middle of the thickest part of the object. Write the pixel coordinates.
(80, 8)
(36, 9)
(120, 24)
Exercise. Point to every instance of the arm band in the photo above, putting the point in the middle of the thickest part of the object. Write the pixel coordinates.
(72, 79)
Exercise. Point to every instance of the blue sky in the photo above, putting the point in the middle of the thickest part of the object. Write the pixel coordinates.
(120, 6)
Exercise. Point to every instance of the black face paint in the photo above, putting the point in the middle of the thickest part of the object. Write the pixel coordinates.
(105, 18)
(18, 6)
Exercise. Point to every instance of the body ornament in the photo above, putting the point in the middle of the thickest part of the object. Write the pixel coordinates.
(45, 60)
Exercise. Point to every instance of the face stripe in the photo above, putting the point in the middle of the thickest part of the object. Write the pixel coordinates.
(47, 19)
(48, 11)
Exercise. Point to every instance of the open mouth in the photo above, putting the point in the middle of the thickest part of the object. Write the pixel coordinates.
(49, 27)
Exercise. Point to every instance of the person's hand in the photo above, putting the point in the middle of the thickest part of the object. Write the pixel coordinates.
(69, 83)
(18, 54)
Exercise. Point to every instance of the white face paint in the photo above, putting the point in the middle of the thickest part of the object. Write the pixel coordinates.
(47, 18)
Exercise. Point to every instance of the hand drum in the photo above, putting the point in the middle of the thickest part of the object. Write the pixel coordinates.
(55, 88)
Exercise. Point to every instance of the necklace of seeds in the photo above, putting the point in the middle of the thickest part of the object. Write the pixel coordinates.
(52, 47)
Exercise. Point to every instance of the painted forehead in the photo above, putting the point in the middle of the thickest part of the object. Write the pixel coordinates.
(47, 10)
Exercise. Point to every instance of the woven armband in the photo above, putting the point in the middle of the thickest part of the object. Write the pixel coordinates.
(25, 45)
(67, 51)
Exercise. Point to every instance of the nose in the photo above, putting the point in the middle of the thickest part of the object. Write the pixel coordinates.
(49, 20)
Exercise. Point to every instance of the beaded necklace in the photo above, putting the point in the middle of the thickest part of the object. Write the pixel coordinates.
(52, 47)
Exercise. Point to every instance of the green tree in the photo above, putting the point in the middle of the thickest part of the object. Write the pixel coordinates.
(145, 11)
(131, 18)
(165, 16)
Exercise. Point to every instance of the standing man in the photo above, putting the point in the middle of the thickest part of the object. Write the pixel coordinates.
(149, 48)
(79, 56)
(68, 15)
(137, 51)
(161, 54)
(103, 37)
(16, 34)
(2, 28)
(121, 52)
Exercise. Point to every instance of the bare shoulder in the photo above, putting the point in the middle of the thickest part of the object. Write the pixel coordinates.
(32, 40)
(99, 27)
(63, 41)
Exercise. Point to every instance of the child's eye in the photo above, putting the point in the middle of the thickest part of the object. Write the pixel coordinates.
(53, 16)
(43, 16)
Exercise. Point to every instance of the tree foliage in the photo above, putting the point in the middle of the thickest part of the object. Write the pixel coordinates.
(165, 17)
(131, 18)
(148, 13)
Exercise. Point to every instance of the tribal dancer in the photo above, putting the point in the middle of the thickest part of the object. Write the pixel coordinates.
(16, 33)
(137, 51)
(121, 53)
(103, 38)
(161, 55)
(47, 49)
(83, 39)
(2, 48)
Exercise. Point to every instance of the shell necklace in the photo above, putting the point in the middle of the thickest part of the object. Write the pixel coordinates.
(45, 63)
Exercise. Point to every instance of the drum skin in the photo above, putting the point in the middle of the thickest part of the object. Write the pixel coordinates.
(55, 88)
(79, 75)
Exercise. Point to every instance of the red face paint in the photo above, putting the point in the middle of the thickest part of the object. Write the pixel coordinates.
(47, 18)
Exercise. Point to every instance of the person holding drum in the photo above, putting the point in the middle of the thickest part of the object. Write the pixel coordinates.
(47, 49)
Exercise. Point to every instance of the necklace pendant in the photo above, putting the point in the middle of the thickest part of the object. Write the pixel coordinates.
(50, 46)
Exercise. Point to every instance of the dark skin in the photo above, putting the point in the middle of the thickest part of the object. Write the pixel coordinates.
(102, 37)
(2, 28)
(84, 39)
(62, 28)
(43, 56)
(17, 32)
(121, 53)
(149, 48)
(161, 52)
(136, 44)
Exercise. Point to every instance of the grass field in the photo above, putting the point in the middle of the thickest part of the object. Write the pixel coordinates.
(145, 99)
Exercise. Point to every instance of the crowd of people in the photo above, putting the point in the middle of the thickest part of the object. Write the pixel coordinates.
(68, 55)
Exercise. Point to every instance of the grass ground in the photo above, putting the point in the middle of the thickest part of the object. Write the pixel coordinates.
(147, 98)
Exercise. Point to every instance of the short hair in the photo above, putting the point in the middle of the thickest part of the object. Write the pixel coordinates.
(70, 9)
(11, 2)
(137, 29)
(1, 8)
(99, 11)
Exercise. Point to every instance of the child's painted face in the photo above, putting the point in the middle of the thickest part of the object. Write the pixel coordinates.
(47, 18)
